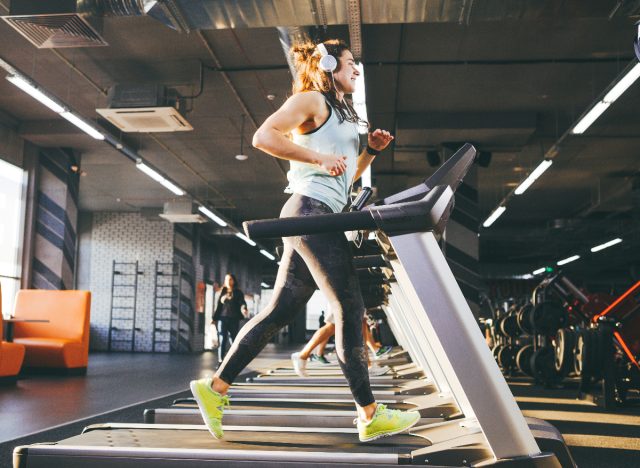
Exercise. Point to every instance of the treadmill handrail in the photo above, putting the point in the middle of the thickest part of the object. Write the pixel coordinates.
(399, 216)
(450, 173)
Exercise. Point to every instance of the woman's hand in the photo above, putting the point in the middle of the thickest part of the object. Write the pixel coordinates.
(379, 139)
(334, 164)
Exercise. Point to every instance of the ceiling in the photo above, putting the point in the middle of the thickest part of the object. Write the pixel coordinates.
(511, 77)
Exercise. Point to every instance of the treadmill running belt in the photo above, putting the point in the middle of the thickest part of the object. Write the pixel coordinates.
(311, 406)
(244, 440)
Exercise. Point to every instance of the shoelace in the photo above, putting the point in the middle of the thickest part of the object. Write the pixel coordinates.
(224, 403)
(380, 408)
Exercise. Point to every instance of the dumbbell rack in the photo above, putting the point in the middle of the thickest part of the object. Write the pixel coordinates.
(124, 298)
(505, 336)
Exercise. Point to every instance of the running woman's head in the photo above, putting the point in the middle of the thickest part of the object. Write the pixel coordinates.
(310, 77)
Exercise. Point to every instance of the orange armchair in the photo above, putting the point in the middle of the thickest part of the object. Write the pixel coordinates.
(61, 343)
(11, 355)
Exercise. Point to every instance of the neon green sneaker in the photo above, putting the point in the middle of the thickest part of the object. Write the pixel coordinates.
(211, 405)
(386, 422)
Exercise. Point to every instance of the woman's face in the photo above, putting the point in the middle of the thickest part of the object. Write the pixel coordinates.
(346, 73)
(228, 281)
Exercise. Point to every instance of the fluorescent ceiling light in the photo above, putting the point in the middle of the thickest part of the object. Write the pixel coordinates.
(600, 247)
(568, 260)
(172, 187)
(82, 125)
(359, 99)
(622, 85)
(590, 117)
(537, 172)
(246, 239)
(265, 285)
(539, 270)
(34, 92)
(614, 93)
(211, 215)
(267, 254)
(158, 178)
(150, 172)
(495, 215)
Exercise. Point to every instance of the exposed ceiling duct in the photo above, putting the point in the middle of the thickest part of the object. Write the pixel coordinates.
(222, 14)
(78, 23)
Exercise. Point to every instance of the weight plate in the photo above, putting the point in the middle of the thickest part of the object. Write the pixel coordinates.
(542, 365)
(496, 349)
(524, 318)
(507, 357)
(509, 325)
(563, 345)
(523, 359)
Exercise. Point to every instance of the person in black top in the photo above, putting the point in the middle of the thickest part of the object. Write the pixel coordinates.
(230, 310)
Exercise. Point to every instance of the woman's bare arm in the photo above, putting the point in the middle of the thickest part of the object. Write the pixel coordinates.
(271, 136)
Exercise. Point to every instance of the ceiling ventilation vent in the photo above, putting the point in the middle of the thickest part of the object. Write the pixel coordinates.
(57, 31)
(145, 108)
(67, 23)
(182, 211)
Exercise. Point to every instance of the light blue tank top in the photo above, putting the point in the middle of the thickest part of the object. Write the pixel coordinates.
(309, 179)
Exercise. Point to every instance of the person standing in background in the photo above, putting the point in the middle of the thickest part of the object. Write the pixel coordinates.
(231, 308)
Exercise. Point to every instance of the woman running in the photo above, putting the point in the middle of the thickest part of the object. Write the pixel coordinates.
(323, 150)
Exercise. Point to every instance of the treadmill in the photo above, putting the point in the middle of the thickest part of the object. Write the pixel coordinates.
(432, 404)
(493, 431)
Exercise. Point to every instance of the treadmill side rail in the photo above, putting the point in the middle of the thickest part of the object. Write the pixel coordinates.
(450, 328)
(125, 457)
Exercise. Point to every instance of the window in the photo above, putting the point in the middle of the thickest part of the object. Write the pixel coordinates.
(12, 198)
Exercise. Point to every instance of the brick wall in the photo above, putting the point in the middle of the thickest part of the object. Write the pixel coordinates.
(130, 237)
(126, 237)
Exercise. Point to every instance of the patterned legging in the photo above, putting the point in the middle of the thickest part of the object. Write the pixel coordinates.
(324, 260)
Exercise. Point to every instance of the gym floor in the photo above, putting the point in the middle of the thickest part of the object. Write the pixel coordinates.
(47, 408)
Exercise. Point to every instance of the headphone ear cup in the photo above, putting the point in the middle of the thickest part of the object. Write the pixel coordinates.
(328, 63)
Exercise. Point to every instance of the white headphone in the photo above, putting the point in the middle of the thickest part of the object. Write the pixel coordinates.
(328, 62)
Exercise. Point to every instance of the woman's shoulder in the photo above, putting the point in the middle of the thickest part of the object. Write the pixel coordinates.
(308, 98)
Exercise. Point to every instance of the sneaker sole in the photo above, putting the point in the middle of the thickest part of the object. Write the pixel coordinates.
(389, 434)
(200, 406)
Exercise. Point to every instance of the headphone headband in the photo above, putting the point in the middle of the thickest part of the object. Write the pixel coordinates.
(322, 49)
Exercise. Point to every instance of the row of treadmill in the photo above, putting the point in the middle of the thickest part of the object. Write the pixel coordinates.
(441, 368)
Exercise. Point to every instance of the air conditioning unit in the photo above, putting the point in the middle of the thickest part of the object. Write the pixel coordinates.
(145, 108)
(182, 211)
